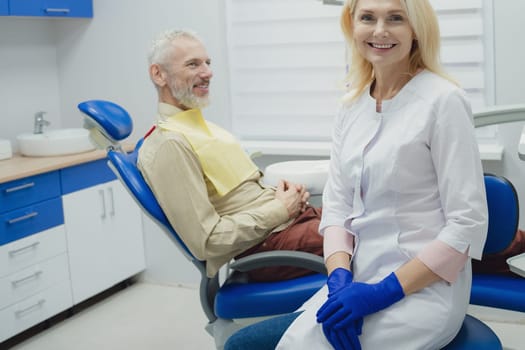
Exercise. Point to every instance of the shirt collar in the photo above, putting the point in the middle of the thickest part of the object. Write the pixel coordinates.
(166, 110)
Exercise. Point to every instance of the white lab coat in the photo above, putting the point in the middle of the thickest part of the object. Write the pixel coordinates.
(399, 180)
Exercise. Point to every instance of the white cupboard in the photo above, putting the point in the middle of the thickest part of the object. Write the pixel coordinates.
(104, 238)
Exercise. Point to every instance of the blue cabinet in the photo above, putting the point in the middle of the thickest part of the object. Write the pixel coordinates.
(29, 206)
(4, 8)
(79, 177)
(48, 8)
(34, 274)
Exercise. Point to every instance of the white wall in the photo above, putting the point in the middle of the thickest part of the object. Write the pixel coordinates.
(53, 65)
(28, 75)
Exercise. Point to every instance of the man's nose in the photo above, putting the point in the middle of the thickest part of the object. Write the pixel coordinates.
(206, 72)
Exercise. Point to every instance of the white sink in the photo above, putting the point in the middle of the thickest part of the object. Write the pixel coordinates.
(55, 142)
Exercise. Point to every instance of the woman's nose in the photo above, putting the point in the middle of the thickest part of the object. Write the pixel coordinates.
(380, 30)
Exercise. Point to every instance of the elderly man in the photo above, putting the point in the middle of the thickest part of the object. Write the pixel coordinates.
(208, 187)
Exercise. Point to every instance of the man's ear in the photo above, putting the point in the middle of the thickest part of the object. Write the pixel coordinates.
(157, 75)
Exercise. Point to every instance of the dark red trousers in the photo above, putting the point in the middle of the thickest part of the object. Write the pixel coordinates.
(302, 234)
(497, 263)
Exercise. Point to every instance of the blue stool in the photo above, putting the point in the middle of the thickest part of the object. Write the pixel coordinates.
(474, 335)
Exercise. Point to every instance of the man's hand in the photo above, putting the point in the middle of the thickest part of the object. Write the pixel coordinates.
(293, 196)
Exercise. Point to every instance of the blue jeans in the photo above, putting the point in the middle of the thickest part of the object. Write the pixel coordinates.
(264, 335)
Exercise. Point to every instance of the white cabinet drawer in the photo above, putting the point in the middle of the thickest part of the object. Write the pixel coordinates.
(33, 279)
(32, 249)
(35, 309)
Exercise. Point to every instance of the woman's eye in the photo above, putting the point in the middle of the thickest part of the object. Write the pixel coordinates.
(367, 18)
(396, 18)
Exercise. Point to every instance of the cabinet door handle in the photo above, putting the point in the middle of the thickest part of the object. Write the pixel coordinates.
(32, 276)
(20, 250)
(112, 201)
(20, 187)
(102, 196)
(38, 304)
(22, 218)
(57, 10)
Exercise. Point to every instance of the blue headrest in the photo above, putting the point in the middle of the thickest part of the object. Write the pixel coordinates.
(126, 166)
(503, 206)
(114, 120)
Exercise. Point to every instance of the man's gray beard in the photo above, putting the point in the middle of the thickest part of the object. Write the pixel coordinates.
(188, 99)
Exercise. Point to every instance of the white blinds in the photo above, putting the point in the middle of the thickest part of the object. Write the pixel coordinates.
(287, 61)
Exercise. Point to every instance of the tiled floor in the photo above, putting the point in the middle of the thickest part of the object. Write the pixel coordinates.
(140, 317)
(148, 316)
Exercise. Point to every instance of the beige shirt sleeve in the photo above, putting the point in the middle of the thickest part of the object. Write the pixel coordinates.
(175, 176)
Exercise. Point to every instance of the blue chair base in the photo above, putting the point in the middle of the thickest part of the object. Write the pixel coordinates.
(474, 335)
(502, 292)
(236, 300)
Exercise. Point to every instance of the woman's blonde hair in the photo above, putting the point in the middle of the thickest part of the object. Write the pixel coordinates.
(425, 48)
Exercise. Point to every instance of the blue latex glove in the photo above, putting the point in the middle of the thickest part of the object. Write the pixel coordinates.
(358, 300)
(343, 339)
(347, 338)
(338, 279)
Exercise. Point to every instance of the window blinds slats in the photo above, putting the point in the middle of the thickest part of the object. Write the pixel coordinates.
(287, 63)
(299, 79)
(448, 5)
(291, 56)
(275, 33)
(279, 10)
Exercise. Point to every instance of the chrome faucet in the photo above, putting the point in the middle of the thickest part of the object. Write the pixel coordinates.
(40, 122)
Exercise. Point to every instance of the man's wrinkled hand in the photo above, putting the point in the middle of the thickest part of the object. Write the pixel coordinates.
(293, 196)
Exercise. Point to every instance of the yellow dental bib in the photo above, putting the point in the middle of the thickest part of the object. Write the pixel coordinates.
(223, 160)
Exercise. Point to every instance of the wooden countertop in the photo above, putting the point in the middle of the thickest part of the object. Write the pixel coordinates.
(20, 166)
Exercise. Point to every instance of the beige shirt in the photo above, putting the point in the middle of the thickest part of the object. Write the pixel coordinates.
(214, 228)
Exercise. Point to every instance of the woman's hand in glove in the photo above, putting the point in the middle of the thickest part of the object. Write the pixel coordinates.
(338, 279)
(358, 300)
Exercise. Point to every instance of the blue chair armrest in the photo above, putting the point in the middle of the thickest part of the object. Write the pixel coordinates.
(255, 299)
(503, 292)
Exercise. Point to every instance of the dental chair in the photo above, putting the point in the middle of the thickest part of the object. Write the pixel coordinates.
(235, 302)
(229, 305)
(491, 290)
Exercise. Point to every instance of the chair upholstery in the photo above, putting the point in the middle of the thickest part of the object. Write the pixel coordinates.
(499, 291)
(474, 335)
(502, 202)
(236, 298)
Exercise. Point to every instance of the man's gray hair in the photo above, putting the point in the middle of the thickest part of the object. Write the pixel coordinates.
(162, 47)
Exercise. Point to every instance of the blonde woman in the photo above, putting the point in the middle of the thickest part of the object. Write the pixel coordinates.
(404, 208)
